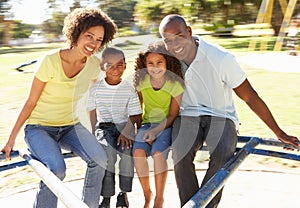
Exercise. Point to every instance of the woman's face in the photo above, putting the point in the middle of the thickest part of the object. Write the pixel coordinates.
(156, 65)
(90, 40)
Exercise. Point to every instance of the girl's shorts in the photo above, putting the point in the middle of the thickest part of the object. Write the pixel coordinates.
(161, 144)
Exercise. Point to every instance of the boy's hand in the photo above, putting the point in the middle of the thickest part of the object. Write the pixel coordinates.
(125, 142)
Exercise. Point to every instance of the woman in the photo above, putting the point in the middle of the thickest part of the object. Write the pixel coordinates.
(60, 80)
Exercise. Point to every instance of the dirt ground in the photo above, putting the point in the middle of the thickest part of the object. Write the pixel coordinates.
(258, 182)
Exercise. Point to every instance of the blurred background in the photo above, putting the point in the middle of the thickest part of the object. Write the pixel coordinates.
(30, 21)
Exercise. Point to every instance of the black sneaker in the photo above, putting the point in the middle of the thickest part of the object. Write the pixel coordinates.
(105, 203)
(122, 200)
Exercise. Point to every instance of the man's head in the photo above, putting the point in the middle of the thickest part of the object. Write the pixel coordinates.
(177, 36)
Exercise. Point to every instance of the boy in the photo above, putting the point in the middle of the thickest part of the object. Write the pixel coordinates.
(114, 109)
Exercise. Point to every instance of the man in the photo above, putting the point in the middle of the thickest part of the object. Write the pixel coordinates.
(208, 113)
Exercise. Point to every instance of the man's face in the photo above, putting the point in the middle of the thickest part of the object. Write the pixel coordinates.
(178, 39)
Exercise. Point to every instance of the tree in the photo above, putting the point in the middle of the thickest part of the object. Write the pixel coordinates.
(20, 30)
(120, 11)
(4, 23)
(4, 10)
(53, 27)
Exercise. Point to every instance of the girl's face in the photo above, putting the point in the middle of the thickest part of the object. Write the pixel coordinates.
(90, 41)
(156, 65)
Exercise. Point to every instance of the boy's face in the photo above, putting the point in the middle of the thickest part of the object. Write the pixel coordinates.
(114, 66)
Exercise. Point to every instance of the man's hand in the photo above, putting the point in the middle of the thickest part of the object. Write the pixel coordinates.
(291, 140)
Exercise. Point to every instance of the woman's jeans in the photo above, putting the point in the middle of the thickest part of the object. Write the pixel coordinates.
(189, 134)
(107, 134)
(45, 143)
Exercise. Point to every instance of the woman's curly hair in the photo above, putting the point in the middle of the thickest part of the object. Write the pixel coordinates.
(174, 68)
(81, 19)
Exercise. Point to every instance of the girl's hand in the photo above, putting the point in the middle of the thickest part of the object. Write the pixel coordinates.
(150, 137)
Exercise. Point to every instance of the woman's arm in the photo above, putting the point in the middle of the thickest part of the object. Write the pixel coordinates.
(35, 92)
(93, 120)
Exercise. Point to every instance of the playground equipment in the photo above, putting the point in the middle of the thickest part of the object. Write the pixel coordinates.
(199, 200)
(213, 186)
(265, 16)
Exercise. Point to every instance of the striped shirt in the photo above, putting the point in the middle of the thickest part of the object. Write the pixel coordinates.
(114, 103)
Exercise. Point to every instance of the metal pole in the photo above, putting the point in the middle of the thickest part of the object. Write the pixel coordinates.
(213, 186)
(67, 197)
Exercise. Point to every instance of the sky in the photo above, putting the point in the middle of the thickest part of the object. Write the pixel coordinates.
(33, 11)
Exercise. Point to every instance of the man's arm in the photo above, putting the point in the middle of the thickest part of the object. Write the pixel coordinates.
(246, 92)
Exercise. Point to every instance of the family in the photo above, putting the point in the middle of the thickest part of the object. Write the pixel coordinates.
(181, 96)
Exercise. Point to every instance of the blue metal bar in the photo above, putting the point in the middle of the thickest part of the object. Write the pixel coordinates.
(213, 186)
(276, 154)
(14, 154)
(267, 142)
(13, 165)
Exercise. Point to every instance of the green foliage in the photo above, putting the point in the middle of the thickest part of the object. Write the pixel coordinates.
(20, 30)
(120, 11)
(53, 27)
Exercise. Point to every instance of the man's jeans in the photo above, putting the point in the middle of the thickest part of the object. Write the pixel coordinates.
(45, 143)
(188, 135)
(107, 134)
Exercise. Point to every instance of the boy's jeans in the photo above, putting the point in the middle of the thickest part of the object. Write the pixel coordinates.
(107, 134)
(45, 143)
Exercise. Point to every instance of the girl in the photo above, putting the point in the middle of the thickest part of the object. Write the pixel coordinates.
(60, 80)
(159, 83)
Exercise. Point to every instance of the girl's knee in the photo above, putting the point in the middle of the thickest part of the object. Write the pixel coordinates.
(139, 153)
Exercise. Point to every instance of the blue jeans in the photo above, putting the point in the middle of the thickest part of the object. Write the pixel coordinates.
(45, 144)
(188, 135)
(107, 134)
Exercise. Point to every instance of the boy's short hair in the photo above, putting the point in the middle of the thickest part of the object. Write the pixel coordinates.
(112, 50)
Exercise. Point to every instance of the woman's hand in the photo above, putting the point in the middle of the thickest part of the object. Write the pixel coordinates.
(7, 149)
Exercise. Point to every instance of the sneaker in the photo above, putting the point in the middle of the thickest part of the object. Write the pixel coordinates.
(105, 203)
(122, 200)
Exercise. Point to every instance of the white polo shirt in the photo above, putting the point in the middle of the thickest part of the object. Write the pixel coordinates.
(209, 82)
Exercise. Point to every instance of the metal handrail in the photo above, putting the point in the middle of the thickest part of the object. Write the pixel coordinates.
(208, 191)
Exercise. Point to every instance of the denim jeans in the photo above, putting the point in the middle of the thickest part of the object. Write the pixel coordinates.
(45, 144)
(188, 135)
(107, 134)
(161, 144)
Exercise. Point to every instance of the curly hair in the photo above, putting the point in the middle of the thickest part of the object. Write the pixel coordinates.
(81, 19)
(174, 68)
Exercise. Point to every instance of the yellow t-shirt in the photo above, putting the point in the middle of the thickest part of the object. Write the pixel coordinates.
(57, 103)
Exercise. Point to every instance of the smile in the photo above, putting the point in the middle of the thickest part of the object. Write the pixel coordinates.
(179, 50)
(89, 49)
